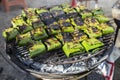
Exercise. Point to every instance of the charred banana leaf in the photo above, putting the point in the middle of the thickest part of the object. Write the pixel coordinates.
(72, 48)
(78, 23)
(23, 39)
(39, 33)
(66, 26)
(102, 18)
(91, 21)
(37, 48)
(10, 33)
(60, 38)
(53, 28)
(105, 28)
(79, 35)
(93, 32)
(86, 13)
(52, 44)
(91, 44)
(24, 28)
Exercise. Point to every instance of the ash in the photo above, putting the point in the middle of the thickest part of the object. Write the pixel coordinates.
(65, 68)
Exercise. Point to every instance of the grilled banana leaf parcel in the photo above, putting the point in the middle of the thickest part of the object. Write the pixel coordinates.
(24, 28)
(10, 33)
(93, 32)
(52, 44)
(36, 48)
(53, 28)
(66, 26)
(23, 39)
(91, 44)
(58, 14)
(102, 18)
(78, 23)
(60, 37)
(39, 33)
(105, 28)
(97, 11)
(72, 48)
(79, 35)
(86, 13)
(56, 8)
(37, 24)
(91, 21)
(17, 21)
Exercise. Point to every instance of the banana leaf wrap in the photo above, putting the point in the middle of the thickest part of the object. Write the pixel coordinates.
(53, 28)
(93, 32)
(78, 23)
(52, 44)
(56, 8)
(58, 14)
(79, 35)
(60, 37)
(66, 26)
(85, 13)
(45, 16)
(91, 21)
(72, 48)
(42, 10)
(17, 21)
(97, 11)
(10, 34)
(39, 33)
(91, 44)
(105, 28)
(24, 39)
(24, 28)
(102, 18)
(37, 24)
(80, 8)
(36, 48)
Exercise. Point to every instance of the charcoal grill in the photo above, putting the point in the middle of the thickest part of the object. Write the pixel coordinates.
(74, 67)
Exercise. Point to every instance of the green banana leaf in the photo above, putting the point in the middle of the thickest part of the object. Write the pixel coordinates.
(97, 11)
(86, 13)
(23, 39)
(24, 28)
(106, 29)
(66, 26)
(72, 48)
(91, 44)
(39, 33)
(102, 18)
(93, 32)
(37, 48)
(10, 33)
(52, 44)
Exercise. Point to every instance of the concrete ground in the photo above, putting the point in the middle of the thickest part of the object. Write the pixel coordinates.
(9, 72)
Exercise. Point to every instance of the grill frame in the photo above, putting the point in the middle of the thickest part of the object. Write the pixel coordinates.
(27, 69)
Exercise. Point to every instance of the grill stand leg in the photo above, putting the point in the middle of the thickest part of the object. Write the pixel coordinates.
(116, 34)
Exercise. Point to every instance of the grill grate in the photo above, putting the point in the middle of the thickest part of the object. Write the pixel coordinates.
(56, 63)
